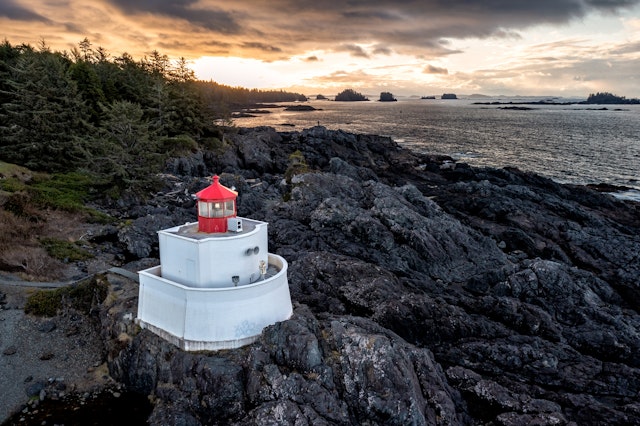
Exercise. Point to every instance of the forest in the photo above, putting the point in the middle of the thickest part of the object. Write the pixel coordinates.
(112, 120)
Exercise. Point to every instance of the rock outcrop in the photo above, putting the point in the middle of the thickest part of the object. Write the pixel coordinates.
(423, 294)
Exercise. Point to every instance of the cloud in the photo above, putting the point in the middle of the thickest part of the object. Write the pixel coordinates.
(342, 77)
(380, 31)
(261, 46)
(204, 14)
(353, 50)
(293, 27)
(382, 50)
(633, 48)
(430, 69)
(9, 9)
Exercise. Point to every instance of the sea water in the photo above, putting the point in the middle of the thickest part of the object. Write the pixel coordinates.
(576, 143)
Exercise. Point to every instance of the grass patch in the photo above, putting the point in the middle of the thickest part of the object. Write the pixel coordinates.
(28, 192)
(64, 250)
(83, 296)
(12, 184)
(68, 191)
(10, 169)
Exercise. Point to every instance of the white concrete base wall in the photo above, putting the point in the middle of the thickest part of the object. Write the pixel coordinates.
(212, 318)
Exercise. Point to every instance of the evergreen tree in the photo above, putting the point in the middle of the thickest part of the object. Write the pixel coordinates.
(44, 121)
(8, 57)
(126, 151)
(88, 83)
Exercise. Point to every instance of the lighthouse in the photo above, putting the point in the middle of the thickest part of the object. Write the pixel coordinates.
(217, 285)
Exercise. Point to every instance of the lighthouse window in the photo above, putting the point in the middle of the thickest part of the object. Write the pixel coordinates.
(217, 210)
(203, 209)
(229, 209)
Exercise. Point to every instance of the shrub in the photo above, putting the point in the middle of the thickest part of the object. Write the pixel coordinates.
(44, 303)
(21, 204)
(297, 165)
(31, 261)
(12, 184)
(82, 296)
(64, 250)
(179, 145)
(212, 144)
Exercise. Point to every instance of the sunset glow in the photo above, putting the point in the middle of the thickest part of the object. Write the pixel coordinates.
(563, 47)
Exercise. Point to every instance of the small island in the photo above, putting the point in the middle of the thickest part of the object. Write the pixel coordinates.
(321, 97)
(350, 95)
(387, 97)
(300, 108)
(449, 96)
(609, 99)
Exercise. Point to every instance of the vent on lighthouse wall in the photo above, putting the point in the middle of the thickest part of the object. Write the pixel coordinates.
(234, 224)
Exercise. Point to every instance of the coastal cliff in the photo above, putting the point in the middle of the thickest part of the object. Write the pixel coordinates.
(425, 292)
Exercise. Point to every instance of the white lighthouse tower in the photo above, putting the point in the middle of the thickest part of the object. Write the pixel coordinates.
(217, 286)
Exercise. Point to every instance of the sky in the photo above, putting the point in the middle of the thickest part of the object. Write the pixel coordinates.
(567, 48)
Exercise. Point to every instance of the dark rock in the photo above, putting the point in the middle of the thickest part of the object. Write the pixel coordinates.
(35, 388)
(299, 108)
(524, 291)
(47, 326)
(47, 356)
(10, 350)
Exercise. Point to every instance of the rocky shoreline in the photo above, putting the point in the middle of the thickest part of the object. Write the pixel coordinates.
(425, 292)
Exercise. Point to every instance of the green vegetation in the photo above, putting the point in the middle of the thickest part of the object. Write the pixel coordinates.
(84, 128)
(110, 121)
(64, 191)
(297, 165)
(83, 296)
(28, 192)
(64, 250)
(350, 95)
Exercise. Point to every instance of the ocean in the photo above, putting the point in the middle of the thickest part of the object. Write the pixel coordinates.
(578, 144)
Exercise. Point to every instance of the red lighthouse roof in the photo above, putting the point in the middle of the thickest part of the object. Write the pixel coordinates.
(216, 191)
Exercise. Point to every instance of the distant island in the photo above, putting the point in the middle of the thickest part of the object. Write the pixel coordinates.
(350, 95)
(428, 97)
(609, 98)
(449, 96)
(600, 98)
(321, 98)
(387, 97)
(300, 108)
(525, 103)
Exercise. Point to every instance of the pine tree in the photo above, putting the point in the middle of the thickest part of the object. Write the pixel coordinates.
(44, 122)
(89, 87)
(126, 151)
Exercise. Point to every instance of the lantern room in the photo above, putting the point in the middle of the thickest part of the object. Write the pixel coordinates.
(216, 204)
